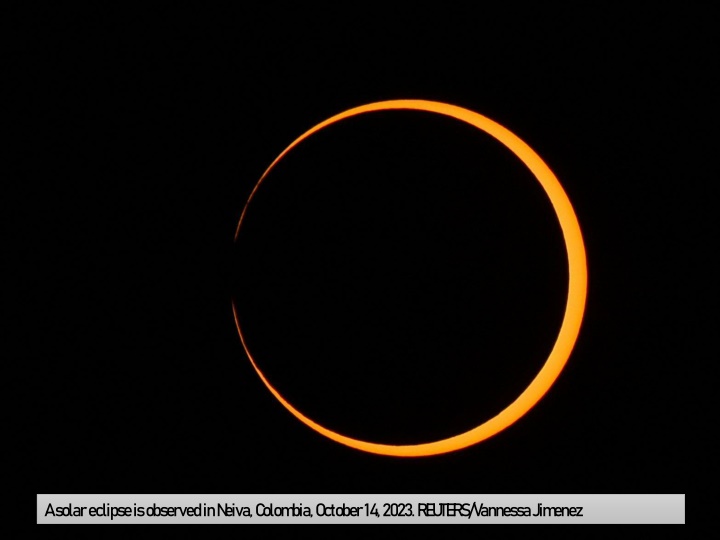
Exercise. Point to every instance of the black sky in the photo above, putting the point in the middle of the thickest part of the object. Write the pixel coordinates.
(144, 133)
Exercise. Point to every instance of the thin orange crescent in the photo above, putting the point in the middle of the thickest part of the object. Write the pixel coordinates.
(577, 285)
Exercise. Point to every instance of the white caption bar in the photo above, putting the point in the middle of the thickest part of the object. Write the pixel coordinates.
(356, 508)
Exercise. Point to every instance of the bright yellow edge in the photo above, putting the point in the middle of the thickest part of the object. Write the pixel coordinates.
(577, 287)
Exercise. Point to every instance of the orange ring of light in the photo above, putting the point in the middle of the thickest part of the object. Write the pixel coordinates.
(577, 286)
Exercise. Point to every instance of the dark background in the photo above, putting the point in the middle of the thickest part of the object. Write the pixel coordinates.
(400, 278)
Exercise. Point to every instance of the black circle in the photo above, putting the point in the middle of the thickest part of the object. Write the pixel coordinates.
(401, 277)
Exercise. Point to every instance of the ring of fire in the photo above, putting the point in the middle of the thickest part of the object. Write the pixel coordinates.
(574, 309)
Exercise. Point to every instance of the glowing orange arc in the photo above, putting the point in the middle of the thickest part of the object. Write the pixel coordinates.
(577, 285)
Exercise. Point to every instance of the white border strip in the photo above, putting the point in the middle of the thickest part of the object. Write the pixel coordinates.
(360, 509)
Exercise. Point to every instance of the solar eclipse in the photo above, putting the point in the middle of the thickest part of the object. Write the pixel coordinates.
(574, 306)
